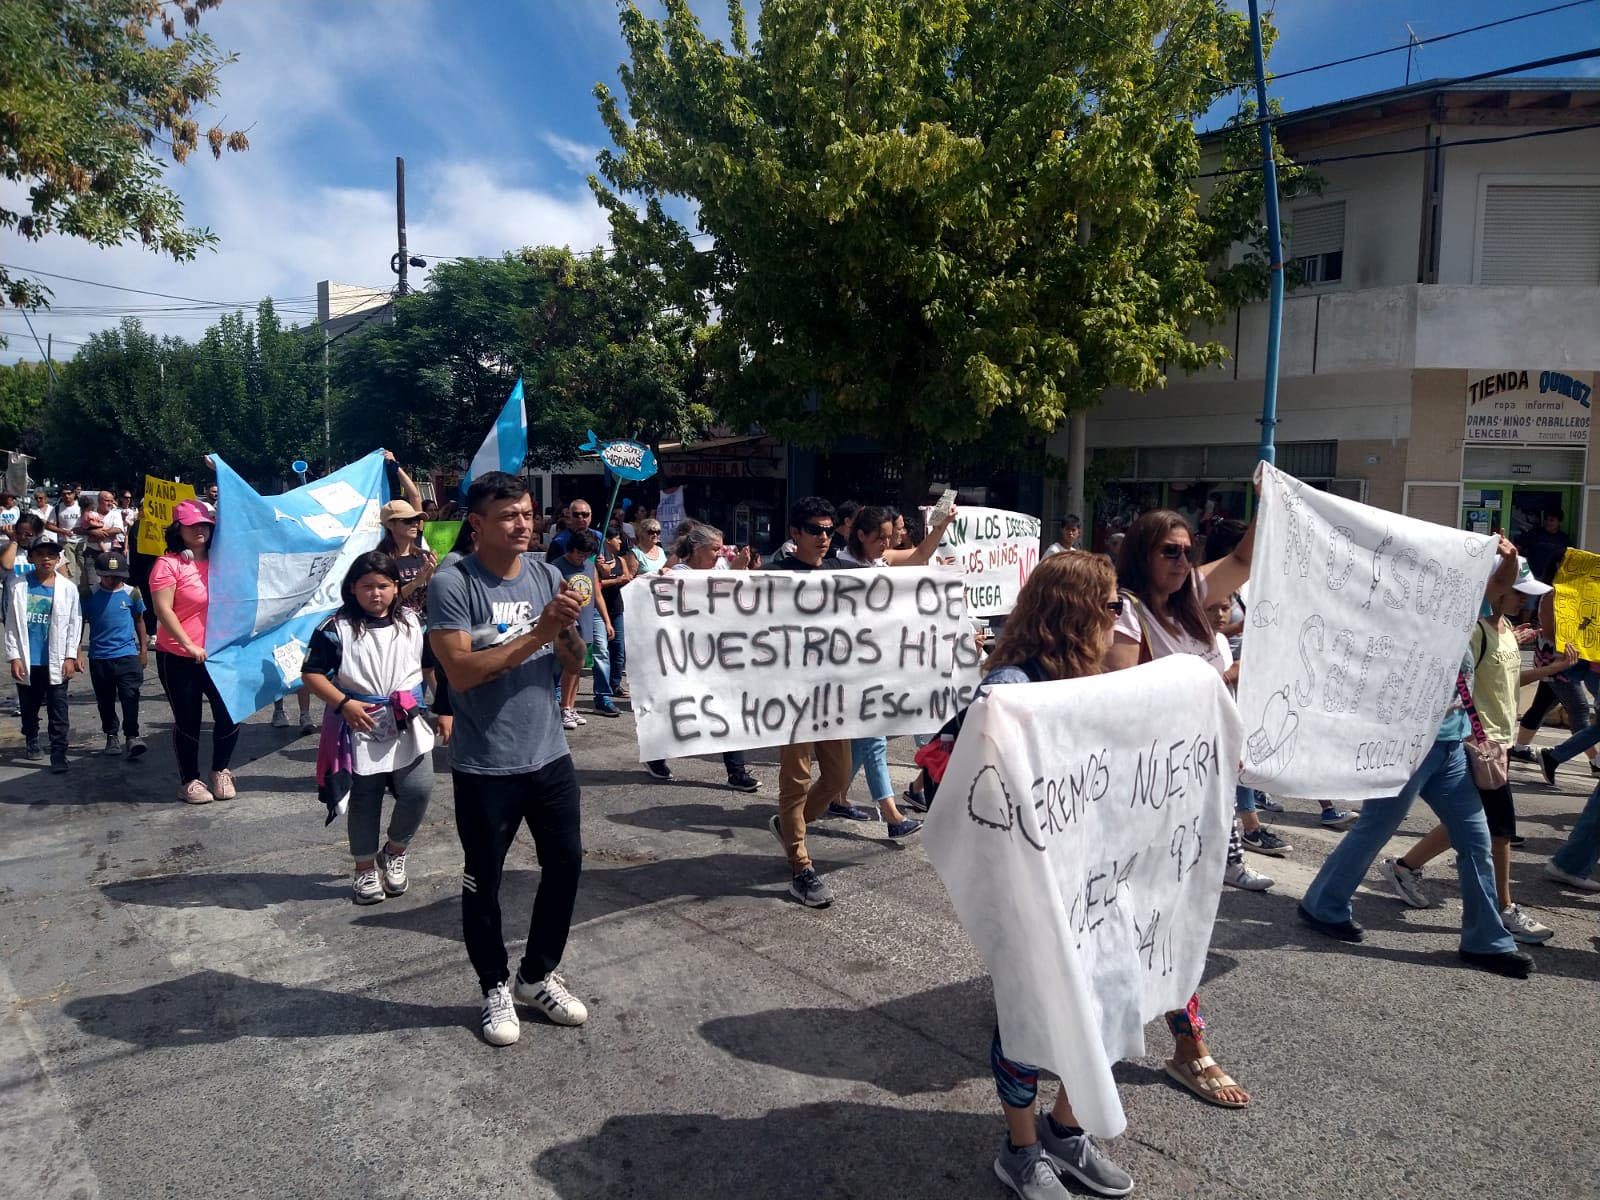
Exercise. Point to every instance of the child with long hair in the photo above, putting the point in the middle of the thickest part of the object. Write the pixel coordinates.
(1061, 628)
(365, 662)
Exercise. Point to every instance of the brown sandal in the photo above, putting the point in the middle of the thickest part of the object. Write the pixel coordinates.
(1192, 1075)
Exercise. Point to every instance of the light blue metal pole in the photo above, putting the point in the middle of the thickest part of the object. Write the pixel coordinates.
(1269, 170)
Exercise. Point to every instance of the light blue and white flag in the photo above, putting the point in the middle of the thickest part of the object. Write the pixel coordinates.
(276, 567)
(506, 447)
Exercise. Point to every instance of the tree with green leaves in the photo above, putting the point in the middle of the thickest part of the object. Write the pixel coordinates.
(124, 407)
(945, 223)
(593, 342)
(23, 388)
(257, 393)
(91, 93)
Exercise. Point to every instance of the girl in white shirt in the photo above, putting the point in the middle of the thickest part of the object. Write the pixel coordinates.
(365, 661)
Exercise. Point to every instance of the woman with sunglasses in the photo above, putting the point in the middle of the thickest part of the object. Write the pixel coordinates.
(652, 559)
(1163, 596)
(1061, 628)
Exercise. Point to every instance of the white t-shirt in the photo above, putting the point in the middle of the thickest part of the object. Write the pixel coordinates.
(112, 520)
(1056, 548)
(1164, 641)
(68, 517)
(381, 661)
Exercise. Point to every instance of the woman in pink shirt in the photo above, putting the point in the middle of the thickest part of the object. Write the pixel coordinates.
(179, 592)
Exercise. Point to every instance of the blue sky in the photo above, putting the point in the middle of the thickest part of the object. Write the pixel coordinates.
(490, 103)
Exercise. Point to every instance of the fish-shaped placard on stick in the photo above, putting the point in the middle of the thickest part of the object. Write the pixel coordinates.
(629, 460)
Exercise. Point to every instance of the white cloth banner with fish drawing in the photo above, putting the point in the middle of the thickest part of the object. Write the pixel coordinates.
(1358, 622)
(1081, 831)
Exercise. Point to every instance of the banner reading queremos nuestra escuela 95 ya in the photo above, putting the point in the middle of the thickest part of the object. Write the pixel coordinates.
(733, 660)
(1356, 625)
(1081, 831)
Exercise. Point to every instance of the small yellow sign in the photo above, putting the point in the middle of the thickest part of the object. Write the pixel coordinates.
(161, 496)
(1577, 603)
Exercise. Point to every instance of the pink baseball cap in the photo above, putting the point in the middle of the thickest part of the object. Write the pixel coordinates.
(192, 512)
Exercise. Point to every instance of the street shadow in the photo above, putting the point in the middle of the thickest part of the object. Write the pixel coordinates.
(605, 891)
(899, 1046)
(245, 891)
(697, 818)
(211, 1007)
(831, 1149)
(606, 777)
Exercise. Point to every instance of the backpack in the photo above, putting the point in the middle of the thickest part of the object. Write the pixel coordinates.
(934, 758)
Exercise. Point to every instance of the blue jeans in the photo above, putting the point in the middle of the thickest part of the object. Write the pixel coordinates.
(1443, 780)
(873, 754)
(618, 654)
(1244, 799)
(602, 664)
(1582, 848)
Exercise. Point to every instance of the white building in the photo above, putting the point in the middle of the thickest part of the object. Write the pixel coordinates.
(1442, 361)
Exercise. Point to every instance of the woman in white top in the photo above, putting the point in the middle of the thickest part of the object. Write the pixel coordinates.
(1163, 613)
(364, 662)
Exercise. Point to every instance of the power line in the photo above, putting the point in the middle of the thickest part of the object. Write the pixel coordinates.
(1478, 141)
(115, 287)
(1442, 37)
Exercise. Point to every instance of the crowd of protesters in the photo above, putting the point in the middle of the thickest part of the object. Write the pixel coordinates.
(484, 652)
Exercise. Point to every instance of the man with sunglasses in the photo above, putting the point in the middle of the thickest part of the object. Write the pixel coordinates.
(800, 801)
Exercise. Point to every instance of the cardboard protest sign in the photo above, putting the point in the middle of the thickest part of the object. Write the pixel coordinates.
(1081, 831)
(161, 496)
(441, 535)
(732, 660)
(276, 568)
(996, 551)
(1358, 621)
(1577, 603)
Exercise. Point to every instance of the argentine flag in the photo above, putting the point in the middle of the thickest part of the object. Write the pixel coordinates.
(506, 447)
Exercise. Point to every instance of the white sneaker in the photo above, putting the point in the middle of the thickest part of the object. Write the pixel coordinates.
(280, 719)
(113, 745)
(1578, 883)
(499, 1022)
(392, 870)
(1407, 884)
(1240, 876)
(1524, 928)
(367, 888)
(570, 718)
(550, 996)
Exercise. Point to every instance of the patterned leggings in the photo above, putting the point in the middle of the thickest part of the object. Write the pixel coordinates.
(1018, 1083)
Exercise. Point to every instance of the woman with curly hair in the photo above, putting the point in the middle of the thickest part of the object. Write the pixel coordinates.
(1061, 628)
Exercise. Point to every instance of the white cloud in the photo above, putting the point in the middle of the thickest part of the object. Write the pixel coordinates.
(301, 72)
(575, 154)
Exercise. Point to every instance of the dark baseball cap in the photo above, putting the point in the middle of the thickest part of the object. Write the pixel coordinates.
(44, 543)
(111, 564)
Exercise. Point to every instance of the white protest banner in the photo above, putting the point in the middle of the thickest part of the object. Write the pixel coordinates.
(996, 551)
(1358, 620)
(1081, 831)
(733, 660)
(669, 513)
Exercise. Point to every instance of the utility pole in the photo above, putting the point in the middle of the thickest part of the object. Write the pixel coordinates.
(50, 371)
(400, 220)
(1269, 172)
(1411, 48)
(327, 408)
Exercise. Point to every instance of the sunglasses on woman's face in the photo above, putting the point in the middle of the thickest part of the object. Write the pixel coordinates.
(1114, 606)
(1172, 552)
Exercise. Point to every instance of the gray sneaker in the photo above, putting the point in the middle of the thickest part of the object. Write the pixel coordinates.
(809, 889)
(1028, 1173)
(1080, 1157)
(113, 744)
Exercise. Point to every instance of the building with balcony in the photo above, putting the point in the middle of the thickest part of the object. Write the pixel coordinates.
(1441, 355)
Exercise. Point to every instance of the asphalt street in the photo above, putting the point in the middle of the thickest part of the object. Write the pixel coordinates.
(192, 1007)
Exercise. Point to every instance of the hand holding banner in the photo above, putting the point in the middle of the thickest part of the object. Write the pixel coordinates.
(733, 660)
(161, 496)
(1358, 620)
(1081, 831)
